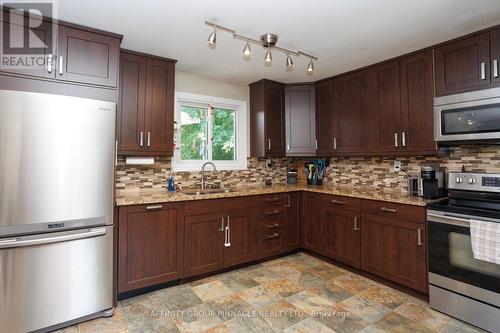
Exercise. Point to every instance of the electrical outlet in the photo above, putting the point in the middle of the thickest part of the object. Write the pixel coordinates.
(397, 166)
(269, 163)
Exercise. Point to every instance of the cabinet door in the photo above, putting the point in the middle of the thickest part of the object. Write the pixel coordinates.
(274, 119)
(39, 36)
(387, 104)
(240, 248)
(87, 57)
(312, 223)
(394, 249)
(160, 107)
(300, 120)
(292, 221)
(463, 65)
(417, 103)
(326, 119)
(342, 236)
(131, 103)
(495, 56)
(149, 246)
(356, 122)
(203, 244)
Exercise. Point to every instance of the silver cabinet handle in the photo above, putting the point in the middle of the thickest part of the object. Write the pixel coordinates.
(275, 235)
(288, 147)
(269, 144)
(222, 225)
(60, 65)
(316, 143)
(49, 63)
(335, 143)
(227, 243)
(388, 210)
(272, 199)
(274, 212)
(483, 71)
(154, 207)
(271, 226)
(403, 139)
(289, 203)
(395, 139)
(33, 240)
(495, 68)
(356, 226)
(149, 139)
(338, 202)
(141, 139)
(419, 237)
(116, 152)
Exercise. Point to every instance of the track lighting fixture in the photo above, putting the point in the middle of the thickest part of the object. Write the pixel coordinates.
(289, 62)
(247, 51)
(310, 67)
(269, 57)
(267, 41)
(212, 38)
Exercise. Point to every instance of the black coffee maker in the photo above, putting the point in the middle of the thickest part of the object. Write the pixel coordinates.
(429, 182)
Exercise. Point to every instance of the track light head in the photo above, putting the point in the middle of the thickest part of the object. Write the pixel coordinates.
(212, 38)
(289, 62)
(310, 67)
(269, 57)
(247, 51)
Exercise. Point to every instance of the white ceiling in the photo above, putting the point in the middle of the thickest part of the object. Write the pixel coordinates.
(343, 34)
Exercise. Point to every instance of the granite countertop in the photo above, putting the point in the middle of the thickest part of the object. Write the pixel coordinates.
(137, 197)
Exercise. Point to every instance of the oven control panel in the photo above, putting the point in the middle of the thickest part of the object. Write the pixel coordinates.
(470, 181)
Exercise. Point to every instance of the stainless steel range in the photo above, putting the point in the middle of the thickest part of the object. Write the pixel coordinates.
(460, 285)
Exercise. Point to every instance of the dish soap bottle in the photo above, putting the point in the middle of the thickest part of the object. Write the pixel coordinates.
(171, 184)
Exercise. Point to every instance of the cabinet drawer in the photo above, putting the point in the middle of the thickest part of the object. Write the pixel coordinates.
(276, 212)
(231, 204)
(201, 207)
(389, 209)
(268, 242)
(340, 202)
(272, 200)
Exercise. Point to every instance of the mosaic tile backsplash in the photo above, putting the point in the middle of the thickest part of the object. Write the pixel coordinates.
(366, 171)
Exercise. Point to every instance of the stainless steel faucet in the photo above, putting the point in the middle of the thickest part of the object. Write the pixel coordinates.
(203, 173)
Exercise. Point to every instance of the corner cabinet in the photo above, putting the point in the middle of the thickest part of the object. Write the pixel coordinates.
(267, 119)
(300, 120)
(326, 119)
(145, 116)
(150, 245)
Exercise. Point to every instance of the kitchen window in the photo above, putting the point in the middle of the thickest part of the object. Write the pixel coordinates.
(209, 129)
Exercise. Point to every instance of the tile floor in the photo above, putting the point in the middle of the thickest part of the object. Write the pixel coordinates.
(297, 293)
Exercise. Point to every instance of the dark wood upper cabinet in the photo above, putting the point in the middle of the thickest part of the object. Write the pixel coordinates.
(355, 121)
(417, 125)
(267, 119)
(394, 249)
(150, 245)
(495, 56)
(386, 104)
(463, 65)
(300, 120)
(145, 116)
(240, 248)
(326, 119)
(87, 57)
(203, 244)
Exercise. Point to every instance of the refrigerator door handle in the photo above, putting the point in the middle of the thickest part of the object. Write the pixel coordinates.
(19, 242)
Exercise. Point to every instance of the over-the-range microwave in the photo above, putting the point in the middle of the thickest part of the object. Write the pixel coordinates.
(468, 116)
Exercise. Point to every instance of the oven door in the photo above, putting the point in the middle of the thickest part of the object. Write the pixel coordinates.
(451, 262)
(468, 116)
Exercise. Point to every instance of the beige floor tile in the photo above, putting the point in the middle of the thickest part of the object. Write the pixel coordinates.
(238, 282)
(196, 319)
(384, 295)
(142, 313)
(353, 282)
(308, 325)
(221, 328)
(457, 326)
(114, 324)
(259, 297)
(326, 272)
(212, 290)
(230, 307)
(262, 274)
(331, 292)
(283, 287)
(420, 312)
(341, 320)
(70, 329)
(282, 314)
(367, 310)
(308, 302)
(178, 297)
(394, 323)
(254, 324)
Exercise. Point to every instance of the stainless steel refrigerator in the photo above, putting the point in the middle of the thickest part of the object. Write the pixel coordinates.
(56, 210)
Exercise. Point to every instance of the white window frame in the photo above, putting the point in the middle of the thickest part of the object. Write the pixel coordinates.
(240, 136)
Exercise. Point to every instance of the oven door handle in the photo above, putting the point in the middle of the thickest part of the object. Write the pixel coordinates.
(452, 219)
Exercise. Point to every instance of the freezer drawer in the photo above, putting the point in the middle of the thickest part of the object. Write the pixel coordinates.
(48, 279)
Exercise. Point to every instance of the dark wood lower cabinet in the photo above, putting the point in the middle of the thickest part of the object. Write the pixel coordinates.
(150, 245)
(342, 235)
(395, 249)
(240, 248)
(203, 244)
(312, 223)
(292, 220)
